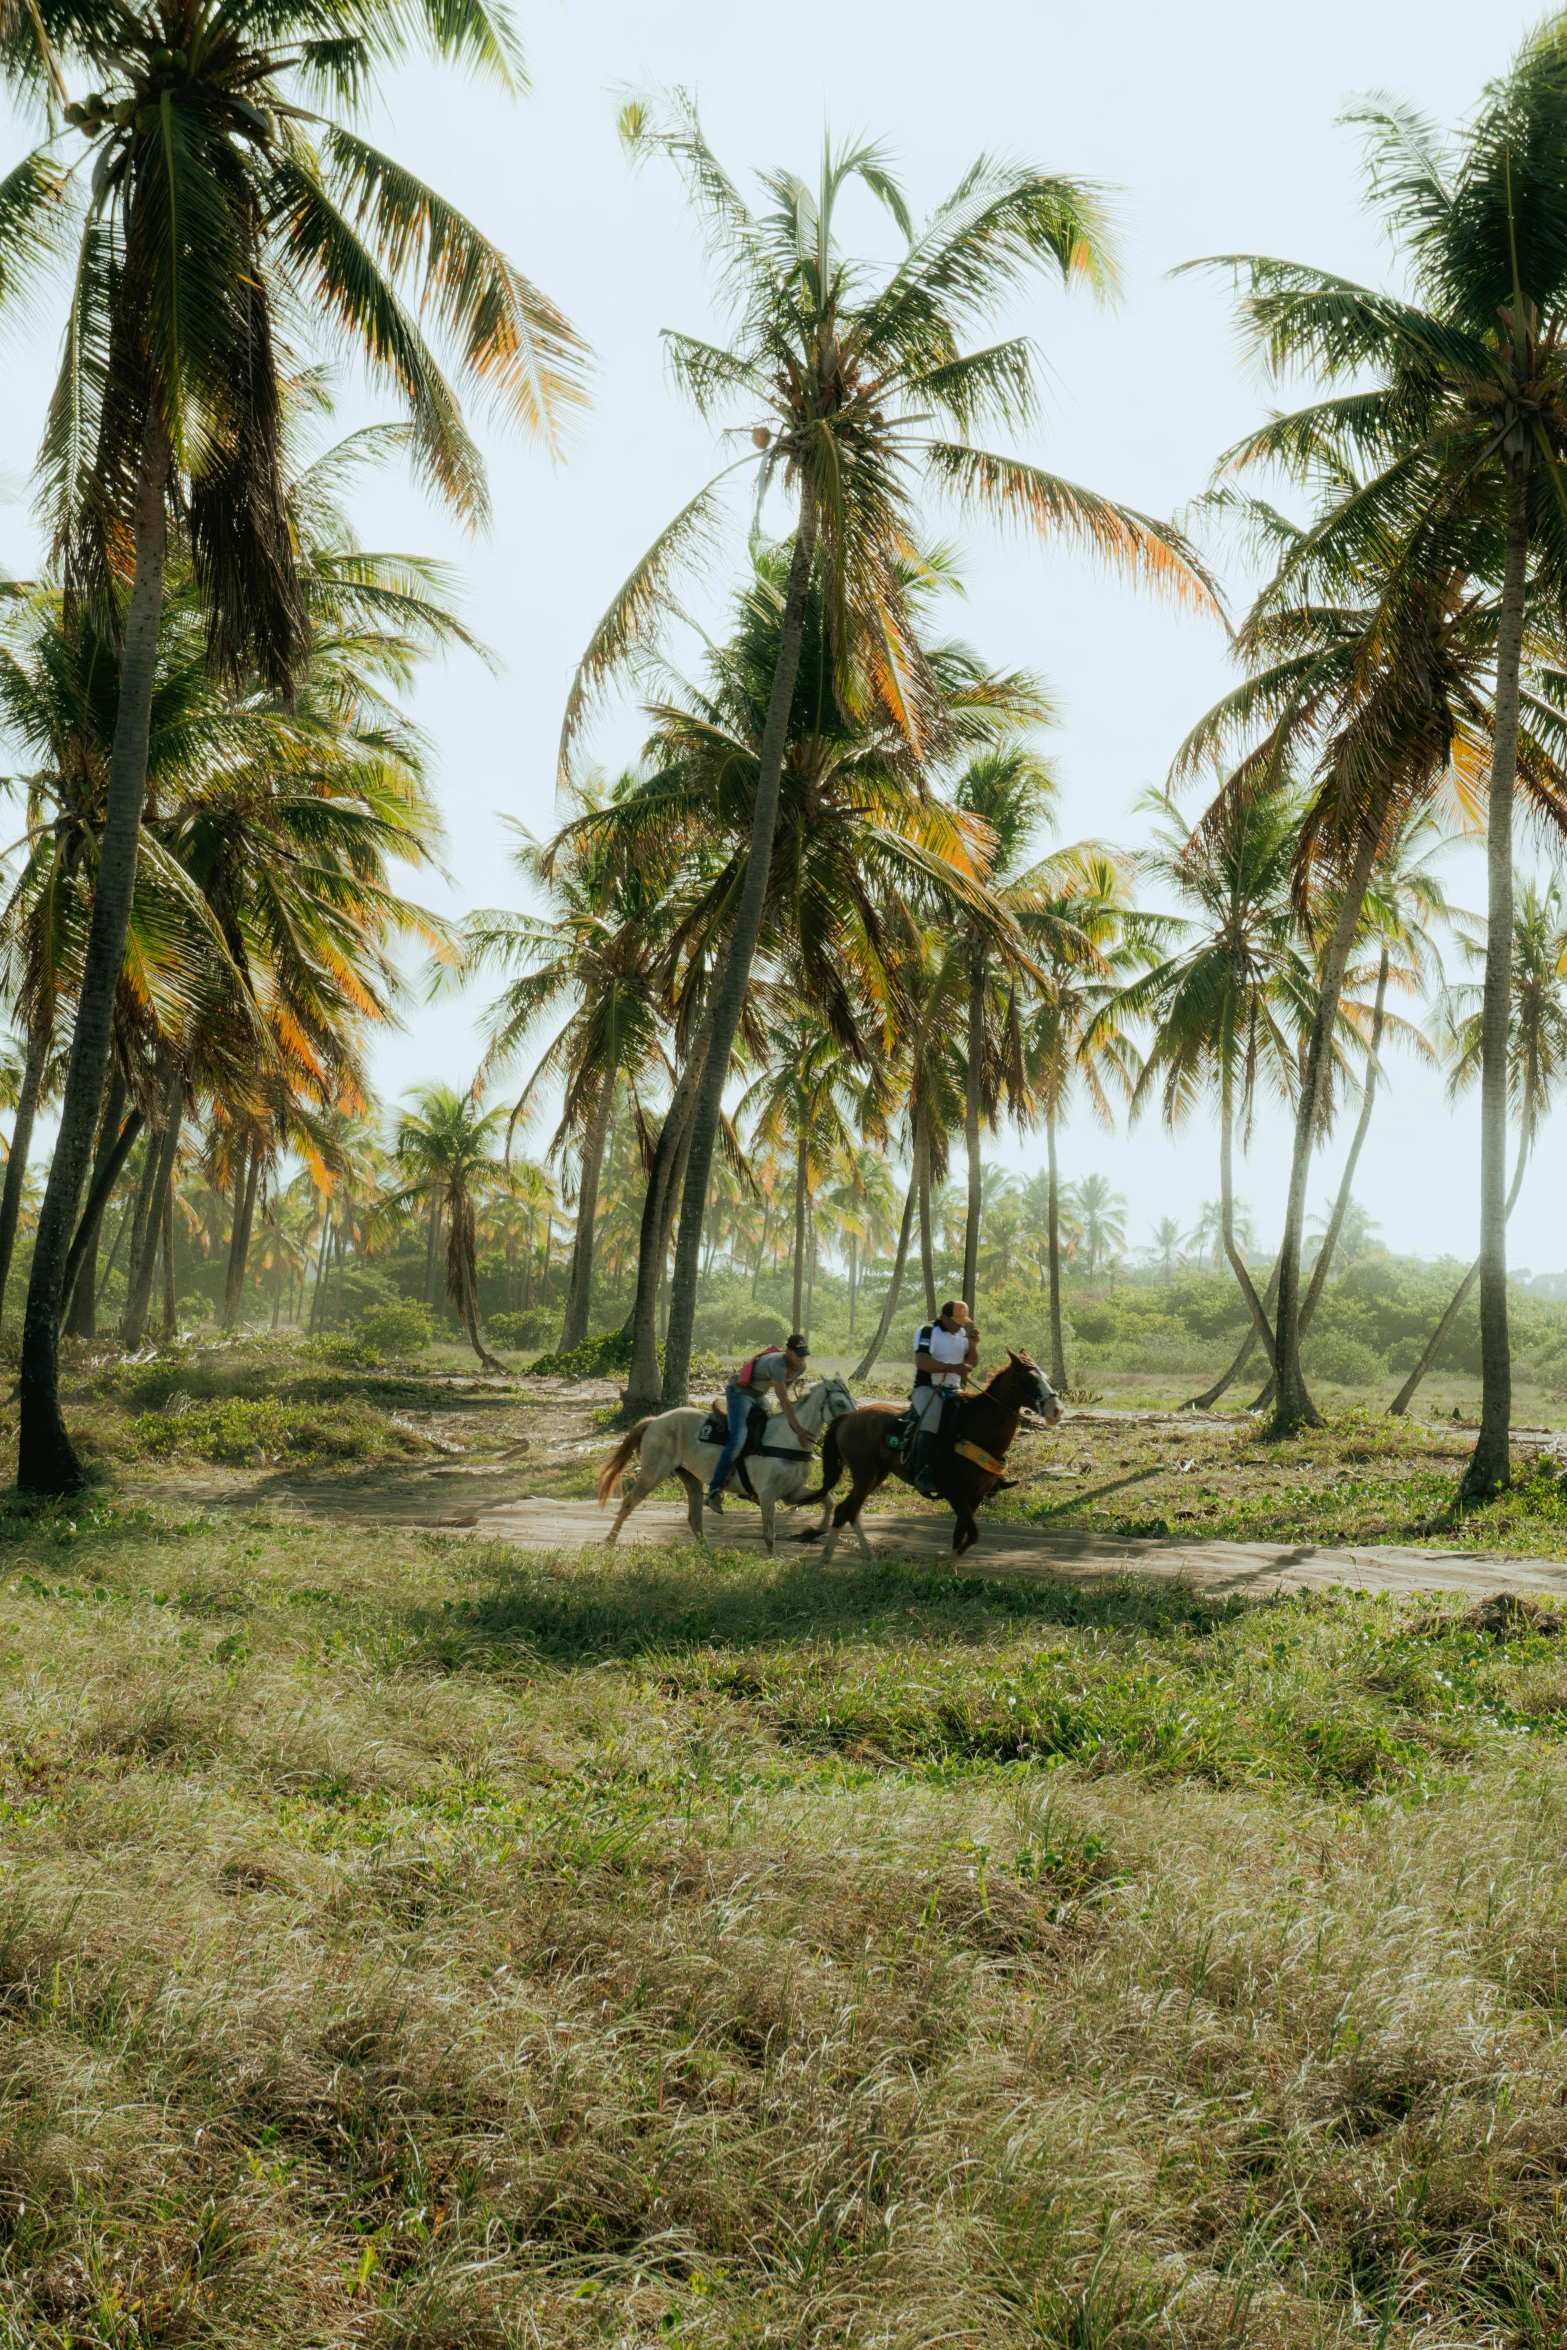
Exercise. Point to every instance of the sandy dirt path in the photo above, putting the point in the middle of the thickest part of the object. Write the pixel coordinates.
(1257, 1568)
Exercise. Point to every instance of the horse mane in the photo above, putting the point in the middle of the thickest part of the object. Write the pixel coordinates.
(1015, 1360)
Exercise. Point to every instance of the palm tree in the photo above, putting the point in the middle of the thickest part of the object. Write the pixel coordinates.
(865, 857)
(445, 1154)
(1076, 1036)
(802, 1101)
(1459, 404)
(1167, 1242)
(603, 949)
(1013, 793)
(215, 200)
(1229, 1005)
(1536, 1059)
(850, 376)
(1101, 1216)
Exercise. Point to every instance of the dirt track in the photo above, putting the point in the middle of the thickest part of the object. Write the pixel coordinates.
(1010, 1549)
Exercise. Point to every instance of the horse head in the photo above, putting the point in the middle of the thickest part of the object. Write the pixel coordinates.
(1025, 1383)
(825, 1400)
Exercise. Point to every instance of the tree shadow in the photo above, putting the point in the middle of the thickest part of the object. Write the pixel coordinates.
(589, 1610)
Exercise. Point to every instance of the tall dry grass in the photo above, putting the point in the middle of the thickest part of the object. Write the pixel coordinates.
(405, 1943)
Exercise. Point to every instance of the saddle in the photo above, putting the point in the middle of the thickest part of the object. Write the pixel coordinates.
(715, 1430)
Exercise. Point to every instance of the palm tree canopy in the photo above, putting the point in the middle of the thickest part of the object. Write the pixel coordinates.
(858, 390)
(213, 216)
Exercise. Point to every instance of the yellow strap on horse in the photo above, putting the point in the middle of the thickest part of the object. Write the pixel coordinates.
(978, 1455)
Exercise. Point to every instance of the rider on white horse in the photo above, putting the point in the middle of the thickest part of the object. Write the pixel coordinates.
(767, 1372)
(945, 1351)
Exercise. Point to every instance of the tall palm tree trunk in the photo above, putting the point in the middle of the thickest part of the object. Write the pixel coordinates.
(1490, 1465)
(239, 1243)
(462, 1271)
(21, 1144)
(889, 1304)
(801, 1189)
(46, 1458)
(318, 1293)
(1058, 1376)
(729, 995)
(972, 1104)
(1293, 1407)
(170, 1302)
(579, 1287)
(1346, 1188)
(927, 1260)
(162, 1156)
(1444, 1329)
(1238, 1264)
(432, 1232)
(141, 1212)
(99, 1193)
(854, 1270)
(665, 1178)
(80, 1306)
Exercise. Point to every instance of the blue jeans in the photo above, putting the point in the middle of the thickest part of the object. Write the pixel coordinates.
(737, 1403)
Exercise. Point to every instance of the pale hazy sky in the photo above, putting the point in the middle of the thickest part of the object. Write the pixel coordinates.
(1215, 125)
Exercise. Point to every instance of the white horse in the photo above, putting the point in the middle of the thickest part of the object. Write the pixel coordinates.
(668, 1446)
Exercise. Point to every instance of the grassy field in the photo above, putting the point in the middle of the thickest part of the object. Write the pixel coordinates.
(406, 1942)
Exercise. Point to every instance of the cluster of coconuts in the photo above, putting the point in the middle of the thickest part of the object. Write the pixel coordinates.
(91, 113)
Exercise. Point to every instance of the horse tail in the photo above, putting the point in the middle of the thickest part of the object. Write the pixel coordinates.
(615, 1467)
(832, 1468)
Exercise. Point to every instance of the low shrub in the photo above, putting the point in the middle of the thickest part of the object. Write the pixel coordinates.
(602, 1357)
(250, 1431)
(405, 1329)
(1344, 1362)
(533, 1326)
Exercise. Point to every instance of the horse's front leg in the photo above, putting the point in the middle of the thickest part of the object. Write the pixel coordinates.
(693, 1486)
(769, 1522)
(965, 1531)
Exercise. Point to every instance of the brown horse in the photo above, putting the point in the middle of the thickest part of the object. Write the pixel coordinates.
(985, 1424)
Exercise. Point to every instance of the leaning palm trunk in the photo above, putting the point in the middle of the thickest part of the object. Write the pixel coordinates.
(802, 1171)
(1444, 1329)
(1238, 1265)
(245, 1184)
(927, 1260)
(1293, 1407)
(162, 1150)
(665, 1177)
(1325, 1253)
(462, 1271)
(21, 1144)
(46, 1458)
(1490, 1464)
(80, 1306)
(729, 995)
(867, 1361)
(170, 1302)
(972, 1105)
(162, 1154)
(99, 1193)
(579, 1286)
(1058, 1379)
(1248, 1347)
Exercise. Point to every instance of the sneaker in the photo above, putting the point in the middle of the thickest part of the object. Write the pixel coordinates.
(715, 1502)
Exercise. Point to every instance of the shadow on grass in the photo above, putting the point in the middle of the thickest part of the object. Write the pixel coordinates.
(586, 1613)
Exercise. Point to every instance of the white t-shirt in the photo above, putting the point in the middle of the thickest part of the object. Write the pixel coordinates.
(943, 1346)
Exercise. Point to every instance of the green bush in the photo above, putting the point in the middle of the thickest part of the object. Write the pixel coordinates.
(595, 1358)
(396, 1329)
(533, 1326)
(1344, 1362)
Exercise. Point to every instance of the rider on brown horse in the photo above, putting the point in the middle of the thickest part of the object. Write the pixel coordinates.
(945, 1352)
